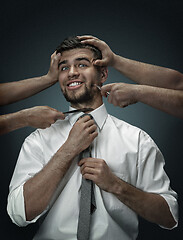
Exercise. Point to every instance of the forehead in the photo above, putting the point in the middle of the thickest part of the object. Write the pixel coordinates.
(73, 54)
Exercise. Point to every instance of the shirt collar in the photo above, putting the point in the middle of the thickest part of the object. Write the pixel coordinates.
(99, 115)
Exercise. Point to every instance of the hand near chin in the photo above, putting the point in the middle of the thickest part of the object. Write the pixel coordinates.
(82, 134)
(121, 94)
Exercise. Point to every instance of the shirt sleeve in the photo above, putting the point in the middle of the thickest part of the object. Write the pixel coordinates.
(30, 161)
(151, 174)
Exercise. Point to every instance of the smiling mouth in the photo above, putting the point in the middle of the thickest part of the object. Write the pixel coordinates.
(74, 84)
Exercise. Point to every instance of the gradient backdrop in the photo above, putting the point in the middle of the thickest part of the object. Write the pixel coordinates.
(148, 31)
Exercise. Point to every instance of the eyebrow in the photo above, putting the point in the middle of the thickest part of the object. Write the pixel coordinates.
(77, 59)
(63, 62)
(82, 58)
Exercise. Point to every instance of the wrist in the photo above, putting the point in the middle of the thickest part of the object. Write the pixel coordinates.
(116, 61)
(116, 186)
(138, 92)
(24, 116)
(17, 120)
(49, 79)
(68, 151)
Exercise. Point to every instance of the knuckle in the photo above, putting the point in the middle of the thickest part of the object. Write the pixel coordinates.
(102, 163)
(86, 169)
(117, 95)
(99, 171)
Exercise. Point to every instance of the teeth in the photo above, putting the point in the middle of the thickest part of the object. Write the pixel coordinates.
(73, 84)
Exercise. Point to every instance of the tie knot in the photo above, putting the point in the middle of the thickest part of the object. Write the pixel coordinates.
(85, 114)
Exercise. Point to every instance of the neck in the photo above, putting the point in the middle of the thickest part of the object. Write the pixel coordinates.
(91, 104)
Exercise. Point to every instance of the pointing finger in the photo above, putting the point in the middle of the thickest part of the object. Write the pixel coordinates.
(107, 87)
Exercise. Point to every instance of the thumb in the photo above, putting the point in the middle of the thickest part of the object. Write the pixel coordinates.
(56, 59)
(60, 115)
(100, 63)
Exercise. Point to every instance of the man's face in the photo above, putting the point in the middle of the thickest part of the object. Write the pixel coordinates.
(77, 75)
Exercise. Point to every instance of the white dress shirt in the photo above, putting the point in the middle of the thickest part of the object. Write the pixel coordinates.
(128, 151)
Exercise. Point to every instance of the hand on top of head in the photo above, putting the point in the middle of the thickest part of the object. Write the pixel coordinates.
(107, 54)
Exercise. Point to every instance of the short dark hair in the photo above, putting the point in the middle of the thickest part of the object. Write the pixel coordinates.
(74, 42)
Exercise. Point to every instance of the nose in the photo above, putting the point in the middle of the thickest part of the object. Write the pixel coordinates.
(73, 72)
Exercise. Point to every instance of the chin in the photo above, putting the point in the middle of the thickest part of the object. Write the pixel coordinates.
(84, 97)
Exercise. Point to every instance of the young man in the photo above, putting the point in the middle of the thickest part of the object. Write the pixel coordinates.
(125, 166)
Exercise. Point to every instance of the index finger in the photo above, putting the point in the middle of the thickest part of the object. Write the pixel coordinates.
(84, 160)
(85, 118)
(107, 87)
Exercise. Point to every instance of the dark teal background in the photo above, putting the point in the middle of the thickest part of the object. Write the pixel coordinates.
(148, 31)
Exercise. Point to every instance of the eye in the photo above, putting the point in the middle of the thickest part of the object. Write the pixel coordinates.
(82, 65)
(64, 68)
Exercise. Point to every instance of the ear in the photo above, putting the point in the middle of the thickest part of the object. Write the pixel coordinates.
(104, 74)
